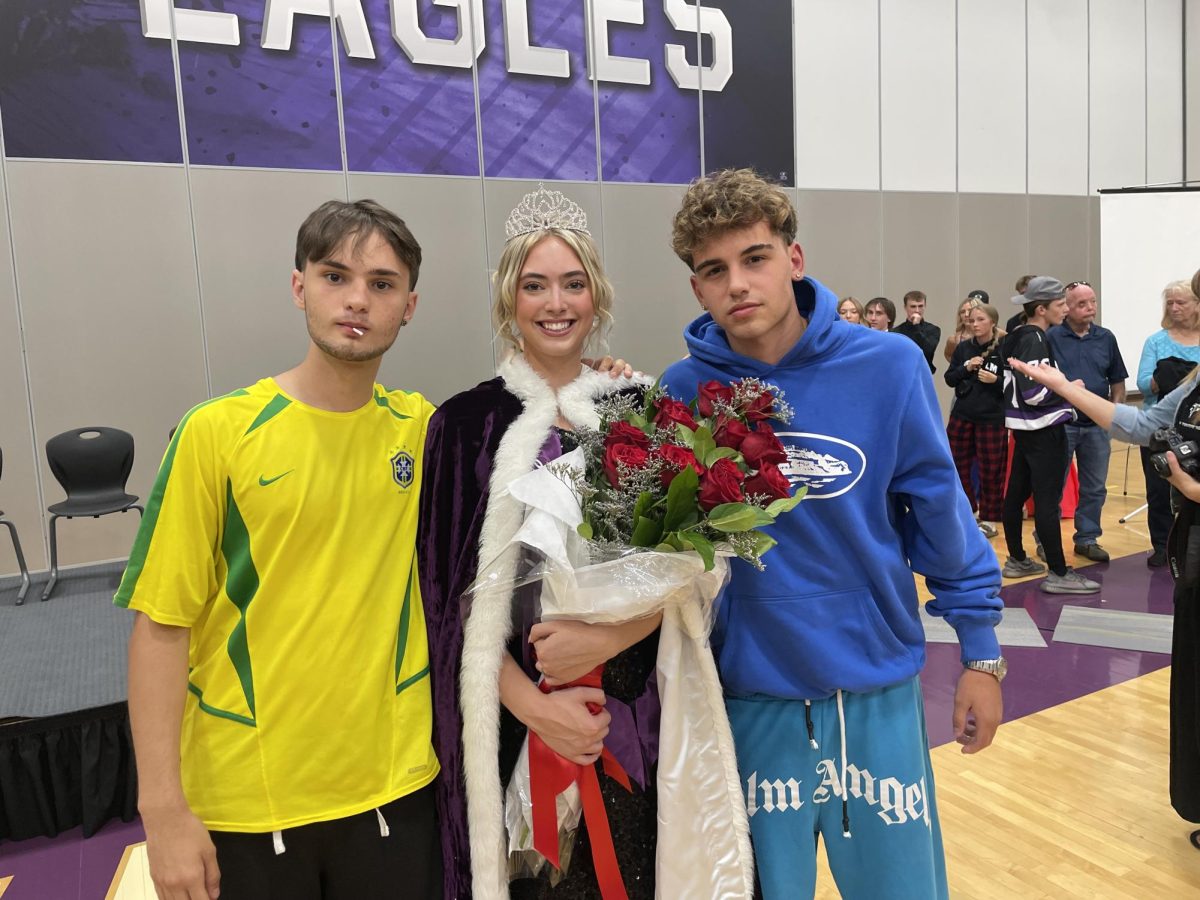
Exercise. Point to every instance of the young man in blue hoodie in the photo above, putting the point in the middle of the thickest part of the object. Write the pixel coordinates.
(821, 655)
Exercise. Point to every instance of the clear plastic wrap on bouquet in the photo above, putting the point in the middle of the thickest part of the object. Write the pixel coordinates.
(558, 575)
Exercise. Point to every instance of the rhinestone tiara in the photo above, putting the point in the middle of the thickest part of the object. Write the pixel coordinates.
(543, 209)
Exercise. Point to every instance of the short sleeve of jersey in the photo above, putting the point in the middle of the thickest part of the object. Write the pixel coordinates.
(171, 575)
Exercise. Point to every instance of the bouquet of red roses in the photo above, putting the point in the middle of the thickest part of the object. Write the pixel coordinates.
(641, 519)
(669, 476)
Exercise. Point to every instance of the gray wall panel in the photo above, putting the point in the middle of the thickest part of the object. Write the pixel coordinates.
(920, 252)
(19, 497)
(108, 294)
(447, 348)
(839, 232)
(1058, 237)
(993, 249)
(654, 299)
(245, 224)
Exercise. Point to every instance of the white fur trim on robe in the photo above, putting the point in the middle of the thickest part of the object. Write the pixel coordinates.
(724, 850)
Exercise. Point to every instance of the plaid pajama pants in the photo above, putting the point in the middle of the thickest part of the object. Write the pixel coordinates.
(988, 444)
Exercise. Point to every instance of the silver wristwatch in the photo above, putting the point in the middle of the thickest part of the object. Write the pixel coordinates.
(997, 666)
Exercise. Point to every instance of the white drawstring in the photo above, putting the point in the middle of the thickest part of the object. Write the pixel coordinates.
(277, 839)
(845, 791)
(384, 831)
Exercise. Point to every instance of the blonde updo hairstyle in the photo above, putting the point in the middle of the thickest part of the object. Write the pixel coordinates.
(507, 278)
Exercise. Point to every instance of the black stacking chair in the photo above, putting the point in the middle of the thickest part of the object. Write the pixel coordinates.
(92, 465)
(12, 530)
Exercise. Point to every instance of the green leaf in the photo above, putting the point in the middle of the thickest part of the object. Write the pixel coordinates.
(787, 504)
(644, 501)
(665, 548)
(731, 517)
(641, 422)
(703, 443)
(646, 533)
(681, 498)
(762, 542)
(719, 453)
(585, 530)
(703, 546)
(686, 436)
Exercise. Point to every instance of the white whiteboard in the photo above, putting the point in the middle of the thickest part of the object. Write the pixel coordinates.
(1147, 240)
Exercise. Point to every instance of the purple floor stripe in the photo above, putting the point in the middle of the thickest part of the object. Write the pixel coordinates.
(67, 866)
(1039, 679)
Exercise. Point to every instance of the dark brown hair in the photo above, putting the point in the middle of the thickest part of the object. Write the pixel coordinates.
(336, 221)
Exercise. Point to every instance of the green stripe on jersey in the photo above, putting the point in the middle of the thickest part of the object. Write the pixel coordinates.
(241, 584)
(141, 544)
(405, 616)
(381, 400)
(410, 681)
(271, 410)
(219, 713)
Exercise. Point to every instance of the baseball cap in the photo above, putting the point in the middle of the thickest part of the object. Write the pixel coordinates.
(981, 296)
(1041, 289)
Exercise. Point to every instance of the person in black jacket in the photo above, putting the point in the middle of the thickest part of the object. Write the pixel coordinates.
(926, 335)
(976, 428)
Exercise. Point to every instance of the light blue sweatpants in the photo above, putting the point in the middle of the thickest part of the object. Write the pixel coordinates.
(893, 849)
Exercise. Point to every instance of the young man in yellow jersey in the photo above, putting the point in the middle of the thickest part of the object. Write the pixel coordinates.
(278, 668)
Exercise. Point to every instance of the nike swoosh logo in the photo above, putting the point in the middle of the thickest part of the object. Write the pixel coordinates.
(265, 481)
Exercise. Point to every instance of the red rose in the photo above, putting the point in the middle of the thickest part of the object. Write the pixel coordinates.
(624, 433)
(760, 407)
(762, 447)
(672, 412)
(676, 459)
(722, 483)
(627, 455)
(769, 481)
(730, 433)
(710, 393)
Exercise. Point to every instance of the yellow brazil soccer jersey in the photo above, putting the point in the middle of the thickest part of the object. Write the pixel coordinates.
(283, 536)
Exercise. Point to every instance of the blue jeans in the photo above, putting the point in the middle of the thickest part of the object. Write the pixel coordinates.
(1091, 447)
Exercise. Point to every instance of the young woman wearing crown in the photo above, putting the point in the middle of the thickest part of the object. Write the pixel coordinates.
(487, 654)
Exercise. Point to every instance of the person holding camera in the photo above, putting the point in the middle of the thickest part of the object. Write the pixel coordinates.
(1170, 429)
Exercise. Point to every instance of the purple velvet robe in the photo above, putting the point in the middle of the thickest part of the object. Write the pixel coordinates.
(460, 448)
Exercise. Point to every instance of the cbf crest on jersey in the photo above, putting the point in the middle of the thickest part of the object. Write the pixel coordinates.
(404, 468)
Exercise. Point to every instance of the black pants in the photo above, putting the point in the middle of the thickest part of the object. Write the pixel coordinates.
(343, 859)
(1039, 468)
(1158, 503)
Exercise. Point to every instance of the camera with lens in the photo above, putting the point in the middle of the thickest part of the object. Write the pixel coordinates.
(1186, 452)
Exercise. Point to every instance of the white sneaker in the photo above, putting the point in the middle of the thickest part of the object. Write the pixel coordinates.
(988, 529)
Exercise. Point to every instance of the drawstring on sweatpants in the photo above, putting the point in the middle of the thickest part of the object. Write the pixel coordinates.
(384, 831)
(812, 740)
(845, 791)
(277, 840)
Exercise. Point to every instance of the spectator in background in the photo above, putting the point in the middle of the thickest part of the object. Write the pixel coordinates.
(1019, 319)
(1167, 357)
(1037, 418)
(976, 428)
(851, 310)
(925, 334)
(962, 327)
(880, 314)
(1088, 353)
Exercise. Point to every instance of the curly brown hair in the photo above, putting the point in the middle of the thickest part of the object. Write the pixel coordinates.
(727, 200)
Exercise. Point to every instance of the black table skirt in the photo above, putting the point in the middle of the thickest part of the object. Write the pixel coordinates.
(62, 772)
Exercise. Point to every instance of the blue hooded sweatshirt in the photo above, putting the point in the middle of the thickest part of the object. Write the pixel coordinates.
(837, 606)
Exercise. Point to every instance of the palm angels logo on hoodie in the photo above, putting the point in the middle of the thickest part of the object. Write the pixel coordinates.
(828, 466)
